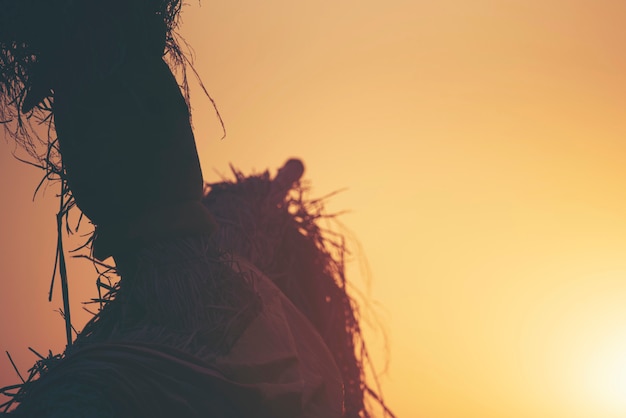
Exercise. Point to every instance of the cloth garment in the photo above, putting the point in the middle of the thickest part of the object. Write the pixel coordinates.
(193, 332)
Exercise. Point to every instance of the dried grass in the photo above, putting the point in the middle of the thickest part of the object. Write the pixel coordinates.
(279, 230)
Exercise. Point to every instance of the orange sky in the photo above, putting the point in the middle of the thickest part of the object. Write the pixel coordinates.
(483, 147)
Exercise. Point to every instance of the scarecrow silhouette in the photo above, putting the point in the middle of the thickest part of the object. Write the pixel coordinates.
(232, 302)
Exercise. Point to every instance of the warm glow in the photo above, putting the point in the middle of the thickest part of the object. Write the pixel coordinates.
(575, 339)
(605, 375)
(483, 148)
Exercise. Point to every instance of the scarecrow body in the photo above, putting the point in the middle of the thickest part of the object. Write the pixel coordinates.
(132, 168)
(194, 329)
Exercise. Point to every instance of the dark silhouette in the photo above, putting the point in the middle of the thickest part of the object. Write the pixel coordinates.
(195, 325)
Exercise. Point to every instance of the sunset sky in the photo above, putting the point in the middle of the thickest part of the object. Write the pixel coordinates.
(482, 149)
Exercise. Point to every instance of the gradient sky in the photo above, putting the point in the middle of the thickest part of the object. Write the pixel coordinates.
(482, 145)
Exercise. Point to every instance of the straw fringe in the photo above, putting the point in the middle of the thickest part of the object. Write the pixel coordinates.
(279, 231)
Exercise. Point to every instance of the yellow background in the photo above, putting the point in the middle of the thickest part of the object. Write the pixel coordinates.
(482, 145)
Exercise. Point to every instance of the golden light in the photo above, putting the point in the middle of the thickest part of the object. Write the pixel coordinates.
(574, 346)
(605, 373)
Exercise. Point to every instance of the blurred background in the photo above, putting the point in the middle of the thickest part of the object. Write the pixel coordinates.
(482, 147)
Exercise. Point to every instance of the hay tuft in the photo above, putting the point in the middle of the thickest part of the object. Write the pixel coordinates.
(273, 224)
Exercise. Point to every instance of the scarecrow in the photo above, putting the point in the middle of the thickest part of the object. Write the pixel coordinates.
(243, 313)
